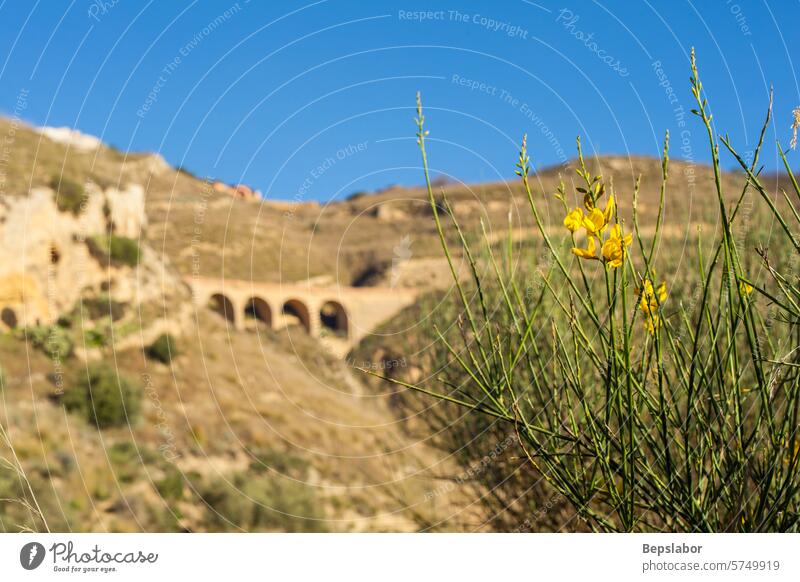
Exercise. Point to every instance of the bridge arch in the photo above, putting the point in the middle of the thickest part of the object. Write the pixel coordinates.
(257, 310)
(222, 305)
(295, 312)
(333, 317)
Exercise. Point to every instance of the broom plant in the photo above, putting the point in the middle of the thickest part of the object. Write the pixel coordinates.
(645, 412)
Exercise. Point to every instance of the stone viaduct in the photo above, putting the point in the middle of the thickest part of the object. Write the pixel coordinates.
(339, 316)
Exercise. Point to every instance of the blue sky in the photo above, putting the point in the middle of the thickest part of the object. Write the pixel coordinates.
(314, 100)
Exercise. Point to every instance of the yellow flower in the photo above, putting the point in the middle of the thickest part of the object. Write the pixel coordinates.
(574, 219)
(594, 222)
(652, 323)
(745, 288)
(647, 296)
(614, 247)
(662, 292)
(609, 211)
(588, 252)
(649, 300)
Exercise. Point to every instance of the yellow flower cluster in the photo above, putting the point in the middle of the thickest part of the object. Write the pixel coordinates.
(649, 300)
(595, 222)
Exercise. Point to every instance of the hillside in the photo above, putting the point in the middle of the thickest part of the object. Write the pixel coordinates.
(260, 429)
(235, 434)
(365, 240)
(240, 430)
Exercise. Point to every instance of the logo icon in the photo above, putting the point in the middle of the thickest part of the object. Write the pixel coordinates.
(31, 555)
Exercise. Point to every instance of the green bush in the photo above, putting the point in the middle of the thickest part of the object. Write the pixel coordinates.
(118, 250)
(70, 196)
(95, 338)
(171, 486)
(52, 340)
(105, 397)
(164, 349)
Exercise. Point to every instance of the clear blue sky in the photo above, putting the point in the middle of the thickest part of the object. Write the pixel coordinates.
(280, 94)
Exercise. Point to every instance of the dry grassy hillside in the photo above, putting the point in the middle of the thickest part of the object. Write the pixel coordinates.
(265, 431)
(236, 434)
(238, 431)
(359, 241)
(353, 241)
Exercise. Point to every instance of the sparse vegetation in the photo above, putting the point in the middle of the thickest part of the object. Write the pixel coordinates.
(95, 337)
(280, 462)
(170, 487)
(164, 349)
(103, 306)
(261, 503)
(71, 196)
(53, 340)
(105, 397)
(126, 461)
(114, 249)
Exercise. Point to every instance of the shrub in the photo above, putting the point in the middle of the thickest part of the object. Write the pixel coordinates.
(164, 349)
(118, 250)
(52, 340)
(70, 196)
(105, 397)
(95, 338)
(171, 486)
(644, 412)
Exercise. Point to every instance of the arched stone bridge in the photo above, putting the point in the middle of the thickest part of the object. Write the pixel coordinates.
(339, 316)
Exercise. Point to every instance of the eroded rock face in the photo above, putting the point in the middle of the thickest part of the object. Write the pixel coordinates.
(45, 263)
(126, 208)
(238, 191)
